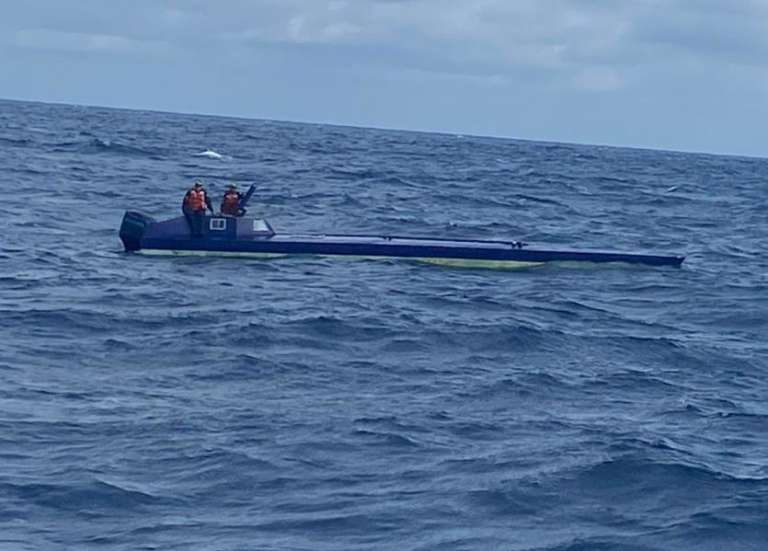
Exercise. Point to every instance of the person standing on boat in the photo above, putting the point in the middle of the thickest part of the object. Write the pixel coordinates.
(230, 203)
(196, 201)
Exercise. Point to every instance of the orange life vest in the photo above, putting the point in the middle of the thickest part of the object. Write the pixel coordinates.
(230, 203)
(196, 199)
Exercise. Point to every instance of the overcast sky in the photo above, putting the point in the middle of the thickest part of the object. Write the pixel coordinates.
(664, 74)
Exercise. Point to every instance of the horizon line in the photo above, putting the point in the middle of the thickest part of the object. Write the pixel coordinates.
(388, 129)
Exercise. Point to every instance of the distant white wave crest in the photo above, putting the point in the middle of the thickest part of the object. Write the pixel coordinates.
(210, 153)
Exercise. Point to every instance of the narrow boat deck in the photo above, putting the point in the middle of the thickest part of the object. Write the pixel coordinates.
(256, 238)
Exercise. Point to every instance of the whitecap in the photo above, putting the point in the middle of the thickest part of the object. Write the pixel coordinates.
(211, 154)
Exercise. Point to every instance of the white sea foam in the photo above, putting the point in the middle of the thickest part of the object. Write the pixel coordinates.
(209, 153)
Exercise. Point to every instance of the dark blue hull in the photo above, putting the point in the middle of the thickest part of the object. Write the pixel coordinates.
(250, 237)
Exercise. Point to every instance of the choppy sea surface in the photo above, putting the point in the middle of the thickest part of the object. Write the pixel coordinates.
(321, 404)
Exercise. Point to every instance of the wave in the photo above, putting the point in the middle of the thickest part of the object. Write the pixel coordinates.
(601, 544)
(389, 440)
(96, 146)
(210, 154)
(213, 465)
(64, 321)
(554, 409)
(541, 200)
(355, 173)
(15, 142)
(91, 496)
(666, 478)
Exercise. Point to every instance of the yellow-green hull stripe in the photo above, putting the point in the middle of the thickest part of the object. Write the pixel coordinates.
(450, 262)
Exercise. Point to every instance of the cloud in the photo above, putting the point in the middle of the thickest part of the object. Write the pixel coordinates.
(561, 36)
(598, 79)
(520, 67)
(589, 45)
(43, 39)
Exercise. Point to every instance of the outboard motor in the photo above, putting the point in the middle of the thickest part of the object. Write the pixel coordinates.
(133, 228)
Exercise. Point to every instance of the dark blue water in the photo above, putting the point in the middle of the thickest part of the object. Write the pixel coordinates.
(322, 404)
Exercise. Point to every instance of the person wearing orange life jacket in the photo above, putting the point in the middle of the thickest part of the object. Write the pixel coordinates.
(230, 204)
(196, 201)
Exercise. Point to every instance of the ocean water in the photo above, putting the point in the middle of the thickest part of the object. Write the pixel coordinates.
(321, 404)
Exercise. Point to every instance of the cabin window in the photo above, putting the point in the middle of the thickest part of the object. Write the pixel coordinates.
(218, 224)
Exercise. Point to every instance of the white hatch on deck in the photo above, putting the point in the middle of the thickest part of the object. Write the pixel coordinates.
(218, 224)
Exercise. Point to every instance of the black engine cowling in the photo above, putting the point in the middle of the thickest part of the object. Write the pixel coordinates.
(132, 229)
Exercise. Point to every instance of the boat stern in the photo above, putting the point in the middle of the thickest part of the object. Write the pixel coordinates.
(133, 228)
